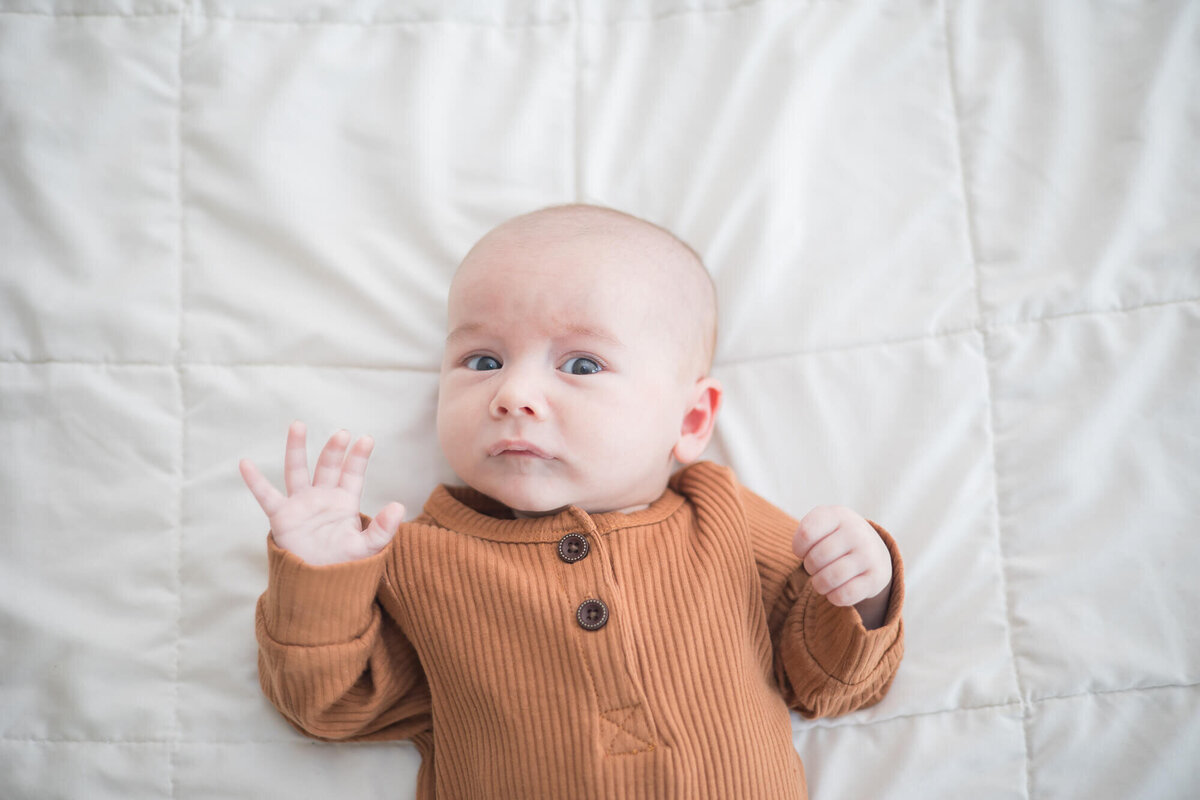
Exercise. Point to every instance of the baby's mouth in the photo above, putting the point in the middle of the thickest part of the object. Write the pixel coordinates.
(517, 448)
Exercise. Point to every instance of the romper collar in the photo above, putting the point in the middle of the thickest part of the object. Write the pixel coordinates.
(464, 510)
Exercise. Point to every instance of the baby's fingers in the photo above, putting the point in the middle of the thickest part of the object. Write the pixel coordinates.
(295, 459)
(850, 580)
(833, 576)
(854, 591)
(329, 463)
(814, 527)
(268, 497)
(356, 466)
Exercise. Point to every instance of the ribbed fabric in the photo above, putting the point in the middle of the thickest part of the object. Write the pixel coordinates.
(463, 635)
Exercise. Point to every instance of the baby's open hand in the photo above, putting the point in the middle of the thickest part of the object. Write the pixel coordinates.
(319, 521)
(847, 560)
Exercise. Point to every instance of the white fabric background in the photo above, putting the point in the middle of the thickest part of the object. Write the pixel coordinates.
(958, 251)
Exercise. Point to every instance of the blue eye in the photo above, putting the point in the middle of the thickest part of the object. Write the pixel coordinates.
(581, 365)
(482, 363)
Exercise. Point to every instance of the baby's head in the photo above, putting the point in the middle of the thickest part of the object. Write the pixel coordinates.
(576, 365)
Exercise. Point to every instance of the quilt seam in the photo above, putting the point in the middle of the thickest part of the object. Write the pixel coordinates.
(990, 419)
(1019, 703)
(176, 737)
(816, 351)
(806, 725)
(733, 7)
(80, 15)
(577, 143)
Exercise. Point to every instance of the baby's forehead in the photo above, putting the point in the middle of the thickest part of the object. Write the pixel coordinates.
(646, 251)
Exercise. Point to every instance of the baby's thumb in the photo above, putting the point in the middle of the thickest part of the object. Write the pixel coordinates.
(384, 526)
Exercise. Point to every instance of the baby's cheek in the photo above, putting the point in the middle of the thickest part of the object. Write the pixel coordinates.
(630, 440)
(454, 432)
(597, 440)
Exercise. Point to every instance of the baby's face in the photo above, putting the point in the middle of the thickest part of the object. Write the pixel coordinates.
(563, 381)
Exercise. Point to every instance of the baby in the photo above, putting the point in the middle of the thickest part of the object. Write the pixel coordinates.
(583, 619)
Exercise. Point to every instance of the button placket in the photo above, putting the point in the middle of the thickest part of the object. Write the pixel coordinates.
(584, 577)
(606, 647)
(592, 614)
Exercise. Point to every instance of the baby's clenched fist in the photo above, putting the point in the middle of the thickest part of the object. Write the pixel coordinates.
(847, 560)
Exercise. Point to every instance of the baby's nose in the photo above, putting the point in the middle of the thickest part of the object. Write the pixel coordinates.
(501, 409)
(517, 397)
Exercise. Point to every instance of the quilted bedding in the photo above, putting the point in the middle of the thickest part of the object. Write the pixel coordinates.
(957, 246)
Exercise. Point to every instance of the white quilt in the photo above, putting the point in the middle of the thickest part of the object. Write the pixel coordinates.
(957, 246)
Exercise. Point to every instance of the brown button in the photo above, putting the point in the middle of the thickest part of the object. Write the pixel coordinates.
(572, 548)
(592, 615)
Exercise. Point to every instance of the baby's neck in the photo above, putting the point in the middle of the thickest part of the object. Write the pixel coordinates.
(627, 510)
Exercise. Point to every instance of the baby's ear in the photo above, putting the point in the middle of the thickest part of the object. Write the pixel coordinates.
(698, 420)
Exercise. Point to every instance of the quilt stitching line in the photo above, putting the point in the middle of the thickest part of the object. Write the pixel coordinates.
(1016, 703)
(845, 722)
(178, 364)
(426, 370)
(391, 23)
(732, 7)
(81, 15)
(1150, 305)
(984, 335)
(577, 135)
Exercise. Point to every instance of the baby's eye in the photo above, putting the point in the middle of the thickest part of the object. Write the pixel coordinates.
(581, 365)
(482, 363)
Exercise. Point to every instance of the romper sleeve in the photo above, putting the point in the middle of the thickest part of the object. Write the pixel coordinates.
(330, 657)
(826, 662)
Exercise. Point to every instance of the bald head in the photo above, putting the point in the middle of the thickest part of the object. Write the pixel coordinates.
(684, 291)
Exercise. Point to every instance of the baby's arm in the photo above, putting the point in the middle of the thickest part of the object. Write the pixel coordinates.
(838, 637)
(330, 659)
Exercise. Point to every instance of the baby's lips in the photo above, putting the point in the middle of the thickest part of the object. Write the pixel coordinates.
(517, 447)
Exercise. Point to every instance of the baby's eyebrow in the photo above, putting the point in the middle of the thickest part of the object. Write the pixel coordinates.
(593, 333)
(464, 330)
(573, 330)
